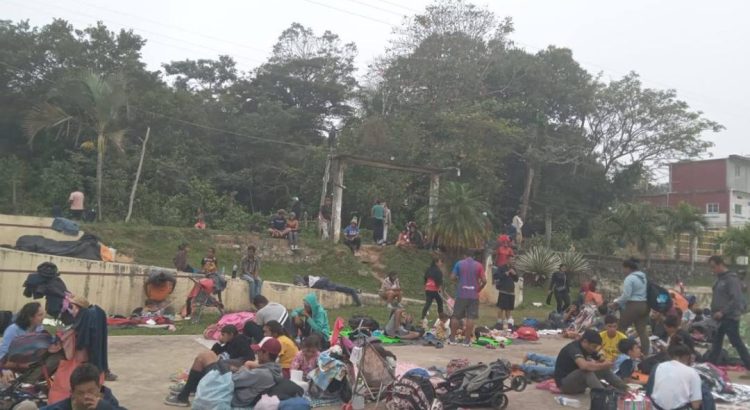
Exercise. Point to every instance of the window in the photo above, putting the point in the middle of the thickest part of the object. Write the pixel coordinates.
(737, 171)
(712, 208)
(737, 209)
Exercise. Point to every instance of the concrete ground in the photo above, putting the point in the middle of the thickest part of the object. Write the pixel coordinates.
(144, 364)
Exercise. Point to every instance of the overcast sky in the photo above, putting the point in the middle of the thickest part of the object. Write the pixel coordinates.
(700, 48)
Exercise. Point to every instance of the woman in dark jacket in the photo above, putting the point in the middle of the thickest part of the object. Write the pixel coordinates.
(433, 281)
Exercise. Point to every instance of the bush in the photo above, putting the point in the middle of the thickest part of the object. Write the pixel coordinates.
(537, 264)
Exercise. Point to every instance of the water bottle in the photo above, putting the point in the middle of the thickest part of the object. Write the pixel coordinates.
(234, 271)
(222, 271)
(567, 401)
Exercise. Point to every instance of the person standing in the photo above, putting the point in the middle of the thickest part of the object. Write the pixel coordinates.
(559, 286)
(386, 222)
(324, 218)
(471, 280)
(727, 306)
(433, 281)
(505, 283)
(632, 303)
(517, 224)
(378, 222)
(250, 268)
(76, 203)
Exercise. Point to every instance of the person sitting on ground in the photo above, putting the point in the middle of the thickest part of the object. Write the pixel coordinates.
(674, 384)
(181, 259)
(351, 237)
(416, 239)
(390, 289)
(278, 224)
(442, 327)
(403, 239)
(200, 217)
(591, 296)
(292, 231)
(87, 392)
(28, 320)
(537, 366)
(312, 318)
(671, 329)
(265, 312)
(578, 367)
(627, 361)
(307, 358)
(232, 347)
(601, 314)
(288, 349)
(396, 326)
(255, 377)
(611, 338)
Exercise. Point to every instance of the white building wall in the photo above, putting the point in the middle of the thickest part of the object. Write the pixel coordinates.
(739, 201)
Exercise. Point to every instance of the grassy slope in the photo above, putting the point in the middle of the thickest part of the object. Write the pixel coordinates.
(156, 245)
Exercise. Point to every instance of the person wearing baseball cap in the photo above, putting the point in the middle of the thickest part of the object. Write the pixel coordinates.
(579, 366)
(255, 377)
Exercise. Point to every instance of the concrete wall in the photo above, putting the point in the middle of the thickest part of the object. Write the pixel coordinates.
(118, 287)
(14, 226)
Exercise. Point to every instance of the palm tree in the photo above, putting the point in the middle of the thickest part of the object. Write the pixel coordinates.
(637, 224)
(459, 220)
(684, 219)
(94, 102)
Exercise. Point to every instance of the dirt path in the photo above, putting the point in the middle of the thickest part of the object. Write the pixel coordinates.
(144, 364)
(371, 255)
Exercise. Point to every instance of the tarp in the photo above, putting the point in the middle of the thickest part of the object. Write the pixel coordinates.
(85, 248)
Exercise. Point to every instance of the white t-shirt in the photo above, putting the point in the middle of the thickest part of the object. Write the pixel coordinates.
(312, 280)
(675, 385)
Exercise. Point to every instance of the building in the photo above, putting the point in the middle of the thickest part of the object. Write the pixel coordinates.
(720, 187)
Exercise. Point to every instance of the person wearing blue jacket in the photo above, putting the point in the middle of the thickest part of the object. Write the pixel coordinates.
(632, 303)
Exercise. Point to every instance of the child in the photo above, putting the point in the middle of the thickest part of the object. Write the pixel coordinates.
(209, 263)
(390, 290)
(306, 359)
(611, 338)
(442, 327)
(87, 392)
(627, 360)
(288, 348)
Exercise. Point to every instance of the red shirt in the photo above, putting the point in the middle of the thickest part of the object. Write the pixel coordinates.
(504, 254)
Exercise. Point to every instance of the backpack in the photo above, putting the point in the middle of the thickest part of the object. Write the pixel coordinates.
(295, 403)
(412, 393)
(657, 297)
(238, 319)
(527, 333)
(367, 322)
(214, 391)
(604, 399)
(28, 348)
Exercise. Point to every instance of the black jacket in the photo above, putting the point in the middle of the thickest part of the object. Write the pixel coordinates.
(559, 282)
(237, 348)
(49, 286)
(91, 334)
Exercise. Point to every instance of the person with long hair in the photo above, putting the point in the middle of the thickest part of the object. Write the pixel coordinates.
(674, 385)
(433, 282)
(29, 319)
(288, 348)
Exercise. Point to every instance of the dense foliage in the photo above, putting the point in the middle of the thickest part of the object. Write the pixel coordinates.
(528, 131)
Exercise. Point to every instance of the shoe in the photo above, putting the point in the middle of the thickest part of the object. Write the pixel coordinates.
(176, 388)
(110, 377)
(186, 318)
(452, 341)
(176, 402)
(466, 344)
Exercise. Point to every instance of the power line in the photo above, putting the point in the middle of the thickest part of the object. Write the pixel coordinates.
(377, 8)
(350, 13)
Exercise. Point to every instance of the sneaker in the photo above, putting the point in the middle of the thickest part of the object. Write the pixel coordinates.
(110, 377)
(467, 344)
(176, 388)
(452, 341)
(176, 402)
(187, 318)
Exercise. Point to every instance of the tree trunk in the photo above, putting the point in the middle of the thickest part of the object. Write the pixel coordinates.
(678, 249)
(527, 190)
(137, 175)
(547, 227)
(15, 202)
(99, 174)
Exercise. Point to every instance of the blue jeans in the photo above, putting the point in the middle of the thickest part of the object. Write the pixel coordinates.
(255, 284)
(543, 365)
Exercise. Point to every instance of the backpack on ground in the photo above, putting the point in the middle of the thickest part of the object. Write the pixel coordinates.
(527, 333)
(412, 392)
(364, 321)
(215, 390)
(604, 399)
(657, 297)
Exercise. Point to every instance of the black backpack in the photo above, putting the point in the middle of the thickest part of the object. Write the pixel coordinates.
(657, 297)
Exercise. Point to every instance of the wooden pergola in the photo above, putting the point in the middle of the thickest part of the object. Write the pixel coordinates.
(339, 163)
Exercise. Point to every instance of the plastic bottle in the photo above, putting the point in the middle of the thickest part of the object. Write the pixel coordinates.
(567, 401)
(234, 271)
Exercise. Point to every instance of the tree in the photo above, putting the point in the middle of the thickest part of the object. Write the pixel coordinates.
(637, 224)
(636, 124)
(459, 220)
(95, 103)
(736, 242)
(684, 219)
